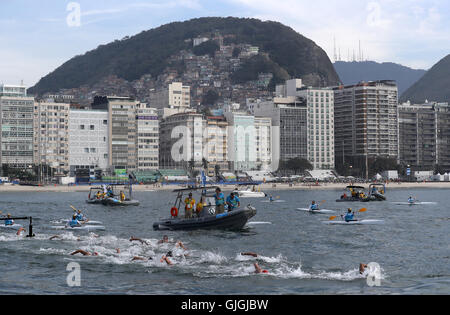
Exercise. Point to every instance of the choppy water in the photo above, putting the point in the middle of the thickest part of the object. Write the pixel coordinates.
(302, 255)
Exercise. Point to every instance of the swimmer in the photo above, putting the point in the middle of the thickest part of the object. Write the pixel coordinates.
(249, 254)
(362, 268)
(258, 269)
(20, 230)
(138, 239)
(84, 253)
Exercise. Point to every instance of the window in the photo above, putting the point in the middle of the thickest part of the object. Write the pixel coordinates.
(92, 127)
(82, 127)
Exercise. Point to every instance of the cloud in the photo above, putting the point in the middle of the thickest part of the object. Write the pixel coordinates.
(386, 28)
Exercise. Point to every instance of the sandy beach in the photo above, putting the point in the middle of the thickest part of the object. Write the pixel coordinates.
(262, 187)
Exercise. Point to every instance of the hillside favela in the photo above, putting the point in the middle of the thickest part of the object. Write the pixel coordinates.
(199, 151)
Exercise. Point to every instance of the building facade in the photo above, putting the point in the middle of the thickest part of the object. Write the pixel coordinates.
(320, 126)
(122, 134)
(263, 137)
(176, 95)
(181, 141)
(51, 137)
(147, 145)
(366, 121)
(16, 122)
(88, 140)
(424, 137)
(215, 144)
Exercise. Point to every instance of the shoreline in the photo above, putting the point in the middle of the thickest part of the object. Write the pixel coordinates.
(262, 187)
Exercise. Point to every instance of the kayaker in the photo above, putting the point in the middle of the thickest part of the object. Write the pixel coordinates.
(313, 206)
(233, 202)
(189, 205)
(271, 198)
(220, 201)
(9, 221)
(350, 216)
(411, 200)
(80, 217)
(74, 222)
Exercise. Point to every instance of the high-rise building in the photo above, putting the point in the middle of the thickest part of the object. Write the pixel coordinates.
(89, 143)
(241, 140)
(424, 136)
(147, 137)
(320, 126)
(16, 123)
(51, 137)
(366, 122)
(181, 141)
(263, 138)
(122, 131)
(215, 144)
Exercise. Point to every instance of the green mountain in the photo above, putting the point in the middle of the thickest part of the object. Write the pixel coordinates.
(433, 86)
(148, 53)
(354, 72)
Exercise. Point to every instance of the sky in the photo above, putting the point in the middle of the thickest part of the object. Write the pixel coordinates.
(36, 37)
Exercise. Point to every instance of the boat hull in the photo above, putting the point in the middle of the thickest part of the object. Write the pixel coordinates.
(234, 220)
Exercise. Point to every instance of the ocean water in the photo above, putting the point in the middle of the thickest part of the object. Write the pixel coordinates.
(301, 253)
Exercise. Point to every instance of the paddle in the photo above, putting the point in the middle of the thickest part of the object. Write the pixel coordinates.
(335, 216)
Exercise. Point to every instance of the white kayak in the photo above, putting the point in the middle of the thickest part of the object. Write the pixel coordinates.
(81, 228)
(83, 222)
(268, 201)
(10, 227)
(323, 211)
(359, 222)
(416, 203)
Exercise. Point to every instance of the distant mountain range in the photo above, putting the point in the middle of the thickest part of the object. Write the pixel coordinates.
(354, 72)
(286, 53)
(433, 86)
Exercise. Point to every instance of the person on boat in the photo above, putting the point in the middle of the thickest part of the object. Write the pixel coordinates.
(122, 196)
(344, 196)
(74, 222)
(9, 221)
(353, 192)
(200, 205)
(411, 200)
(350, 216)
(189, 203)
(220, 201)
(314, 206)
(233, 202)
(110, 192)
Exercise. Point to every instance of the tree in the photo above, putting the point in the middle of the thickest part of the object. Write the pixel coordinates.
(210, 98)
(298, 165)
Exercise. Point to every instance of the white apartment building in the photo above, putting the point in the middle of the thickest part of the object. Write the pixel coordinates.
(16, 123)
(263, 137)
(241, 141)
(176, 95)
(215, 144)
(320, 126)
(181, 140)
(51, 137)
(88, 140)
(147, 145)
